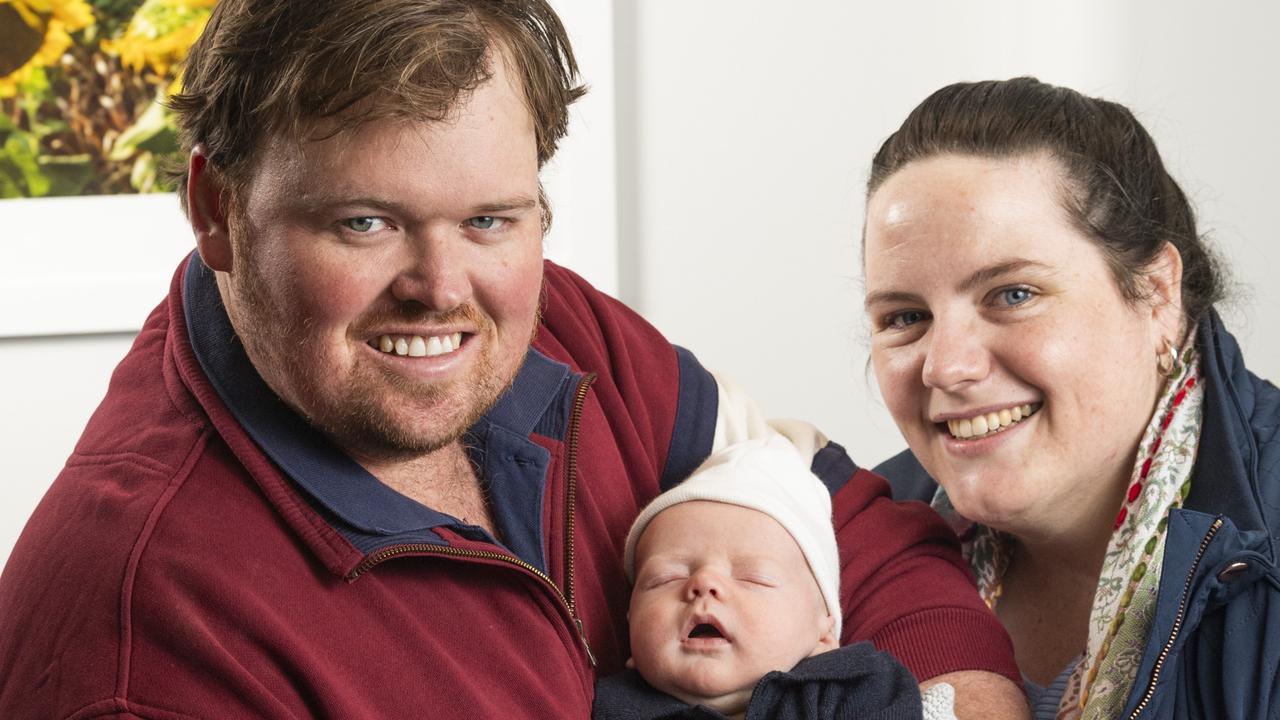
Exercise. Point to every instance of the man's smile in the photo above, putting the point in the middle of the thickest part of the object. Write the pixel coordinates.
(418, 345)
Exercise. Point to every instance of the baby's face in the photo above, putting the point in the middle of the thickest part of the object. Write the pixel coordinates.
(723, 595)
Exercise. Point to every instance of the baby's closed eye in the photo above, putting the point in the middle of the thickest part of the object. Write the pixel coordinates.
(656, 580)
(759, 580)
(758, 572)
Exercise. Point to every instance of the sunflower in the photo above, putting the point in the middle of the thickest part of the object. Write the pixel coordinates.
(160, 33)
(35, 34)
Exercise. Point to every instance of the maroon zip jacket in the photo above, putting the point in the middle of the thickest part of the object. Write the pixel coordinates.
(206, 554)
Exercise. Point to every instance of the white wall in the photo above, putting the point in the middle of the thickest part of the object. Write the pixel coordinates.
(747, 131)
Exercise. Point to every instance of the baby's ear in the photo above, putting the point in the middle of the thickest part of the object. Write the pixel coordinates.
(827, 640)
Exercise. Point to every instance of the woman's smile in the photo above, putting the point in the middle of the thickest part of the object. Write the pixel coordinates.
(982, 424)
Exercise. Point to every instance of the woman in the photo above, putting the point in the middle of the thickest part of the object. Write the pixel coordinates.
(1043, 333)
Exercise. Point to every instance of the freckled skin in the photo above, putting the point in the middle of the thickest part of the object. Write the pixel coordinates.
(1074, 343)
(740, 565)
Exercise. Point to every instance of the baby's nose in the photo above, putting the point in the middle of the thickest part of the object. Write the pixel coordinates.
(705, 583)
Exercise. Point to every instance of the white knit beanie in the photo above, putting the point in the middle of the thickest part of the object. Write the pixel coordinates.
(767, 475)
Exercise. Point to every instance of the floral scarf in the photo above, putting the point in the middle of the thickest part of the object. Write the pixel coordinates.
(1124, 604)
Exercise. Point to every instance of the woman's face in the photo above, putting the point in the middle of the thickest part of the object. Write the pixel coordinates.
(1018, 373)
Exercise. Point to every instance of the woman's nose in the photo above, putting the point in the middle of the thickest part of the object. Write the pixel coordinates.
(957, 355)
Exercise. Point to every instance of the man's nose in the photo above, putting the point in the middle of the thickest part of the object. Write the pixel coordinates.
(434, 270)
(705, 583)
(956, 355)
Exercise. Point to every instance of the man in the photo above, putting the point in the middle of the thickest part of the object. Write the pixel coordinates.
(372, 457)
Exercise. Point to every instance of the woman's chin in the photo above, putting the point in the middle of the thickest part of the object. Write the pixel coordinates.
(986, 502)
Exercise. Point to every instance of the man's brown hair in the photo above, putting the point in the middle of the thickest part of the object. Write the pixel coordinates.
(313, 68)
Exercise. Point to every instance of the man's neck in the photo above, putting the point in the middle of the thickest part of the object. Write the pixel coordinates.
(444, 480)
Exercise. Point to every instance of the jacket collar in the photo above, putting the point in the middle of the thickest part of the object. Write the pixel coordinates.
(1225, 479)
(364, 510)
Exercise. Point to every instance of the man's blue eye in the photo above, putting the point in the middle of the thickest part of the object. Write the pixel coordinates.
(361, 224)
(485, 222)
(1015, 296)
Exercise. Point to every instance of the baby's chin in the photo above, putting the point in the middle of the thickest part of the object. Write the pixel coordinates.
(708, 685)
(732, 703)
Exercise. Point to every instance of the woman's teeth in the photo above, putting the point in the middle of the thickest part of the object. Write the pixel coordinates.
(417, 345)
(989, 423)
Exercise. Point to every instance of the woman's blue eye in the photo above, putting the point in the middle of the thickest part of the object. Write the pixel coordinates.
(485, 222)
(1015, 296)
(362, 224)
(905, 318)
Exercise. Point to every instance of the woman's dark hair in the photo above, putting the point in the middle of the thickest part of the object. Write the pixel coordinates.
(1117, 190)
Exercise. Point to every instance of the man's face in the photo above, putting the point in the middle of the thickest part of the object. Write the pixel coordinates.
(386, 280)
(723, 596)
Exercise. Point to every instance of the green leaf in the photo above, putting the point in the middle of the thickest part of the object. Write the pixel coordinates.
(21, 150)
(157, 18)
(33, 92)
(68, 174)
(143, 176)
(150, 127)
(44, 129)
(9, 180)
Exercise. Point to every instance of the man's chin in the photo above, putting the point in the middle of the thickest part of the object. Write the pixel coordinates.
(375, 421)
(372, 433)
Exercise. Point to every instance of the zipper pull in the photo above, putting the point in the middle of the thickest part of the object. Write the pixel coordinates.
(583, 635)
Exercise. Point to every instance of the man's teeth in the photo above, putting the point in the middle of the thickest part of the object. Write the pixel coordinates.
(419, 346)
(992, 422)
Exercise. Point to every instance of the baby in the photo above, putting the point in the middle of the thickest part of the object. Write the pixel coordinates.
(735, 610)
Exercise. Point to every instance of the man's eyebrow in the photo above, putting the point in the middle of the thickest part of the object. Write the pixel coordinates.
(976, 278)
(520, 202)
(317, 201)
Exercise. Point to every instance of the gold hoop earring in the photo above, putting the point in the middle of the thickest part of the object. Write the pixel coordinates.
(1167, 359)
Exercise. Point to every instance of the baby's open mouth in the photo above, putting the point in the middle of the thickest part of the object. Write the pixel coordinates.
(980, 426)
(705, 630)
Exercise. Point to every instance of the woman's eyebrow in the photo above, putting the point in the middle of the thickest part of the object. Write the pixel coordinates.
(889, 296)
(991, 272)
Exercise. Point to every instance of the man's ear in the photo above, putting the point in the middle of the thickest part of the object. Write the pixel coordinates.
(631, 663)
(1164, 283)
(208, 216)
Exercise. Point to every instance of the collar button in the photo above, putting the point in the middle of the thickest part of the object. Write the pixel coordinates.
(1233, 571)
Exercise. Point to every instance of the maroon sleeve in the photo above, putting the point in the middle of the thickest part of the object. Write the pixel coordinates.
(906, 588)
(638, 374)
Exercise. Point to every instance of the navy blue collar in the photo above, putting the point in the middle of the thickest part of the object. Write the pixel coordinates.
(366, 511)
(1226, 462)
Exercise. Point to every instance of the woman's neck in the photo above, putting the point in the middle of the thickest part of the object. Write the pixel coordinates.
(1048, 589)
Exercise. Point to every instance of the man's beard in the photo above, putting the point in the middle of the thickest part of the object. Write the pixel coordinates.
(355, 409)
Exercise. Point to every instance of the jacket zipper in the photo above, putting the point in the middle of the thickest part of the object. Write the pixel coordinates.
(571, 500)
(1177, 621)
(565, 596)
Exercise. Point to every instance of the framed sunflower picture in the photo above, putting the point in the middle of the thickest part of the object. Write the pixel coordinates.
(88, 222)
